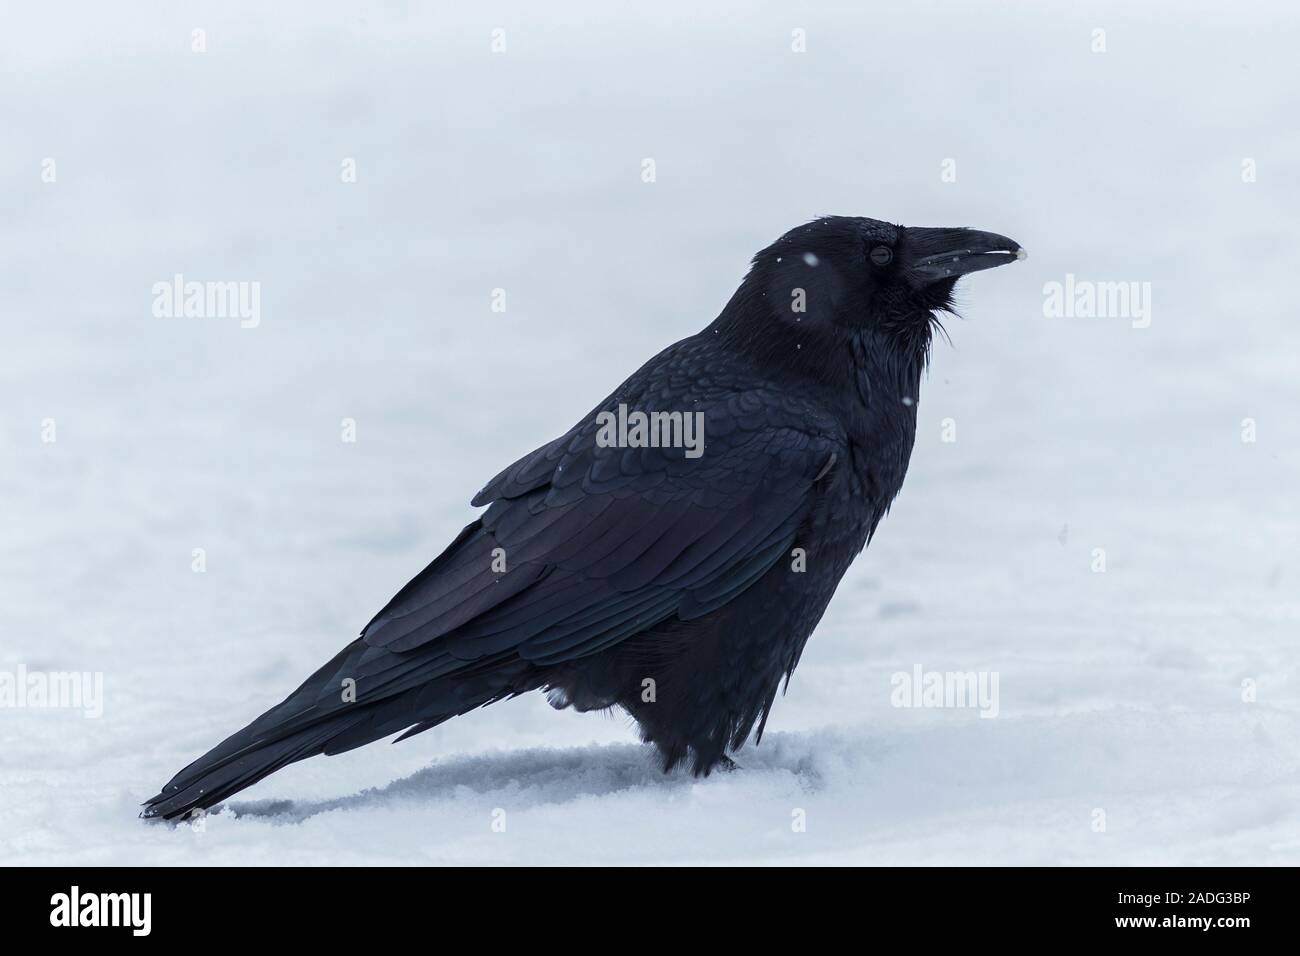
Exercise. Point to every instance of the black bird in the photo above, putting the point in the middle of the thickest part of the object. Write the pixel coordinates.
(637, 566)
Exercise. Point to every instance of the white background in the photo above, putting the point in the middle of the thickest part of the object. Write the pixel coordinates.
(1120, 691)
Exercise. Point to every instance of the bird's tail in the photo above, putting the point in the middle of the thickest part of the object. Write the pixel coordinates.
(212, 778)
(320, 718)
(298, 727)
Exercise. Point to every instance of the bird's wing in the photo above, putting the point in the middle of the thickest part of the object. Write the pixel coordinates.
(598, 543)
(584, 545)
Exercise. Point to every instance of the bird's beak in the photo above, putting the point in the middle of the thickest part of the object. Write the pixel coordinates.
(934, 254)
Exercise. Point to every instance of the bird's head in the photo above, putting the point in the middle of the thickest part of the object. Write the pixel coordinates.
(841, 275)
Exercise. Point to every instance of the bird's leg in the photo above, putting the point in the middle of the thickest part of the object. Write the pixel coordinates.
(726, 764)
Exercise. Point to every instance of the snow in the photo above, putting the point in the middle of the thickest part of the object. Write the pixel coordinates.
(1120, 692)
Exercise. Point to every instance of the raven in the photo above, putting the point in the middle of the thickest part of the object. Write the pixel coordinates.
(678, 580)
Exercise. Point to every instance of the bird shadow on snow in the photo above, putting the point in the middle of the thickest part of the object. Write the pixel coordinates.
(546, 776)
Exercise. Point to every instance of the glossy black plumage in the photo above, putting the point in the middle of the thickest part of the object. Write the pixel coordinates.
(680, 588)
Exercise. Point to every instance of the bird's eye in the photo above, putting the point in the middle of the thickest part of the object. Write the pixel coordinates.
(882, 255)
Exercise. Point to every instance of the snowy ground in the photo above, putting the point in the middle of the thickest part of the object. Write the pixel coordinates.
(1120, 692)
